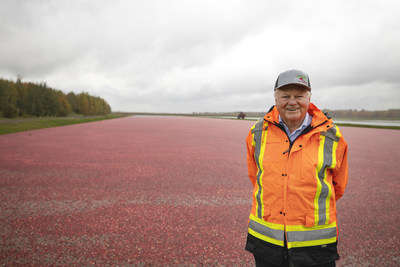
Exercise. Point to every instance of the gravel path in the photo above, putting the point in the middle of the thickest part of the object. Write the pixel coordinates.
(169, 191)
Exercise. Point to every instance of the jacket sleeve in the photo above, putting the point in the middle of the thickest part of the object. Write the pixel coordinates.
(251, 163)
(340, 174)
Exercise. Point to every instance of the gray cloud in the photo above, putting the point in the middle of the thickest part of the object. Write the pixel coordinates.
(190, 56)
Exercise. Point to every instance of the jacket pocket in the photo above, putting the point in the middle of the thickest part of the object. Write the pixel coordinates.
(273, 152)
(310, 219)
(266, 215)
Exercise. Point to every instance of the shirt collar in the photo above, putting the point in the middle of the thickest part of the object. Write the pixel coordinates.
(307, 121)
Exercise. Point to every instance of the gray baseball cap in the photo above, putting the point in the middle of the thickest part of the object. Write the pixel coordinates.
(293, 77)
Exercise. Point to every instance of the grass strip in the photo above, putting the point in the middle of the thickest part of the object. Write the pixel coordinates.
(369, 126)
(8, 126)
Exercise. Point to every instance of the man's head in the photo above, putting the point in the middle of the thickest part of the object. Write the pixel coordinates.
(292, 96)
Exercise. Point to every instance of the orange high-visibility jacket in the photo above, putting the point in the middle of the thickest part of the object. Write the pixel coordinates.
(296, 185)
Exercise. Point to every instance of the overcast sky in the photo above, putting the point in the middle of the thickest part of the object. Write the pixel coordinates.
(206, 55)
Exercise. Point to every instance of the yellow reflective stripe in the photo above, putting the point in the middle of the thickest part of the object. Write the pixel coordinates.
(302, 236)
(311, 243)
(276, 229)
(275, 226)
(295, 228)
(319, 186)
(253, 143)
(327, 201)
(326, 160)
(259, 137)
(333, 165)
(266, 238)
(335, 144)
(261, 159)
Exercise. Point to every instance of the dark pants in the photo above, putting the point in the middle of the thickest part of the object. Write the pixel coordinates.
(261, 262)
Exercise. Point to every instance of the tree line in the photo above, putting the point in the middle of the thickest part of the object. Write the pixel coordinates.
(37, 99)
(390, 114)
(364, 114)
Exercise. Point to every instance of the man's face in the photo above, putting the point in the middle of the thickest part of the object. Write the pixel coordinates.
(292, 102)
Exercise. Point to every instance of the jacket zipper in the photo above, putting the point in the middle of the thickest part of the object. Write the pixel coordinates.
(306, 130)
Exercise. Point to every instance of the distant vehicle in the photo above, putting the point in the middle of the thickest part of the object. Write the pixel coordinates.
(241, 115)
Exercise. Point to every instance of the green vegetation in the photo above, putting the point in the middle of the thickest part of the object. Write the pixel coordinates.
(390, 114)
(368, 126)
(21, 99)
(18, 125)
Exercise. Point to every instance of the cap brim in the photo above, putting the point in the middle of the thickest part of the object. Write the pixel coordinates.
(298, 84)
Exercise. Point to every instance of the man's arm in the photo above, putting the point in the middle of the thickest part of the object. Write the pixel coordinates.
(340, 174)
(251, 163)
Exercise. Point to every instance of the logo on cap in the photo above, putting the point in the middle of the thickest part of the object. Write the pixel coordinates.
(302, 79)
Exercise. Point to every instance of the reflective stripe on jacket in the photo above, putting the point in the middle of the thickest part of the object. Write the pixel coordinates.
(296, 185)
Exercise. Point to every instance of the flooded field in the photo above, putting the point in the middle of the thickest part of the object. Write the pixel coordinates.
(169, 191)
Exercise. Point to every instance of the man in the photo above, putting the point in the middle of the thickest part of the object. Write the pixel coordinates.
(297, 163)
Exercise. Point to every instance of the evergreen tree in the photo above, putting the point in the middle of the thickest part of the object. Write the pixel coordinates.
(8, 99)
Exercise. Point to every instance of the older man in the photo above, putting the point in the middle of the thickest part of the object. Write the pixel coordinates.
(297, 163)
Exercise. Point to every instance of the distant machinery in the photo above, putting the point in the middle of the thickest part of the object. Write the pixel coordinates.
(241, 115)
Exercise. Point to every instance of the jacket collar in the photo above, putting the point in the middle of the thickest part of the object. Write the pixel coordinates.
(319, 118)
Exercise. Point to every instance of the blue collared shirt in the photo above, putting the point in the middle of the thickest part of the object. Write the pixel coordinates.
(292, 136)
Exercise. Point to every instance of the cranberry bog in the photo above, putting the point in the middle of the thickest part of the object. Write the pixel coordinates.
(170, 191)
